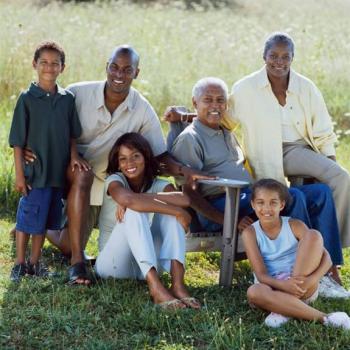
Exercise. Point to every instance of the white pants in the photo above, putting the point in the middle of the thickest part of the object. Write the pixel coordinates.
(301, 160)
(134, 247)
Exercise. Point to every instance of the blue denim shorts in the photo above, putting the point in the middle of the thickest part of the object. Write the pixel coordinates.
(40, 210)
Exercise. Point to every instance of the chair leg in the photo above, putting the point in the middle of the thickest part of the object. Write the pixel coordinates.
(229, 236)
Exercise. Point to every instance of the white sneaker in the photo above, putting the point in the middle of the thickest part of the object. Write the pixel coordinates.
(338, 319)
(328, 288)
(274, 320)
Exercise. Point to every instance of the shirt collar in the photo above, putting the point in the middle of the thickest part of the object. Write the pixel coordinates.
(37, 91)
(263, 80)
(129, 102)
(205, 129)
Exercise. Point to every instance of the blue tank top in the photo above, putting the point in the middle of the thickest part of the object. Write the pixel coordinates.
(279, 253)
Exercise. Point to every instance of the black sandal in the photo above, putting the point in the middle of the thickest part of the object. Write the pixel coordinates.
(78, 271)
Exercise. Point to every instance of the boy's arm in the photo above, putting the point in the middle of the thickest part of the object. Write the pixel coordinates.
(20, 181)
(76, 160)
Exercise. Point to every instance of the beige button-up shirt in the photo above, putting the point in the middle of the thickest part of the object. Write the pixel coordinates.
(255, 107)
(100, 128)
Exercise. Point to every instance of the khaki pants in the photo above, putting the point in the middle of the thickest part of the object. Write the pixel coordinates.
(300, 159)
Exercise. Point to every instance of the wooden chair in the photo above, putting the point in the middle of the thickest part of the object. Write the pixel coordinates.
(227, 241)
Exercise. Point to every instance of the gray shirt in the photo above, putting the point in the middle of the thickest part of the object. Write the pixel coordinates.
(216, 152)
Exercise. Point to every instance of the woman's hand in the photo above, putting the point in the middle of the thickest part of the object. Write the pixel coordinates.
(120, 212)
(184, 218)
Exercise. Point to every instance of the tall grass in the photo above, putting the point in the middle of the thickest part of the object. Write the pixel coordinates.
(177, 48)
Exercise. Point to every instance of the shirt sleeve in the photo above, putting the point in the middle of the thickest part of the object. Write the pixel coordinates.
(19, 126)
(322, 126)
(112, 178)
(188, 151)
(158, 185)
(152, 131)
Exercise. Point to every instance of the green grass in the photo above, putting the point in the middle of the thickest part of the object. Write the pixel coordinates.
(117, 314)
(177, 48)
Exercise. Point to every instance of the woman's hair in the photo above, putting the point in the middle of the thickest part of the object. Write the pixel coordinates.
(278, 38)
(134, 140)
(272, 185)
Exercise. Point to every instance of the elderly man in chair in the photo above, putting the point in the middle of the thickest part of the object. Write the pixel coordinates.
(207, 146)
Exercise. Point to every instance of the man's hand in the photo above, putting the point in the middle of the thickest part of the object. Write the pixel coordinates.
(173, 114)
(80, 163)
(21, 186)
(184, 218)
(244, 223)
(191, 176)
(119, 214)
(28, 155)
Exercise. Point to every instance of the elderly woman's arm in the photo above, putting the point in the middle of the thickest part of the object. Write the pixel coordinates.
(322, 126)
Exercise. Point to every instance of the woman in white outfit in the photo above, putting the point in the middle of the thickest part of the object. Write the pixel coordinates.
(131, 243)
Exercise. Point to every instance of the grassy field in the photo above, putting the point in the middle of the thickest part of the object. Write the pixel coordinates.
(177, 47)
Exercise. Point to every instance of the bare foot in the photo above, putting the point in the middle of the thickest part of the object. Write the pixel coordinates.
(182, 294)
(159, 294)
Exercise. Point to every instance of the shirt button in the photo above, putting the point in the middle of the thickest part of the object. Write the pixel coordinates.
(47, 94)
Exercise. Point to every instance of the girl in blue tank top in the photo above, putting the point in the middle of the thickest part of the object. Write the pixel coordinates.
(288, 260)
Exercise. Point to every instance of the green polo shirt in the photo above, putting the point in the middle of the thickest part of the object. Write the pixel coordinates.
(45, 123)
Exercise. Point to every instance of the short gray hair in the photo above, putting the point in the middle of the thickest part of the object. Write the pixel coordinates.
(203, 83)
(277, 38)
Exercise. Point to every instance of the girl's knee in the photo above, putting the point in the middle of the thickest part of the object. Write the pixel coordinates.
(315, 237)
(255, 294)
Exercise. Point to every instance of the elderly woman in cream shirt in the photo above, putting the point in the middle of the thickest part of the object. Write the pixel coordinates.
(286, 126)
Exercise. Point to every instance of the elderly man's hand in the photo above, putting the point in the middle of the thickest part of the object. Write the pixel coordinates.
(191, 176)
(244, 223)
(173, 114)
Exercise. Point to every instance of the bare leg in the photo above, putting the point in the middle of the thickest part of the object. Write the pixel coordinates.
(157, 291)
(178, 288)
(282, 303)
(60, 239)
(37, 244)
(309, 254)
(78, 202)
(21, 246)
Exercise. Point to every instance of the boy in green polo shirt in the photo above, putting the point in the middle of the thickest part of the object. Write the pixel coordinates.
(45, 121)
